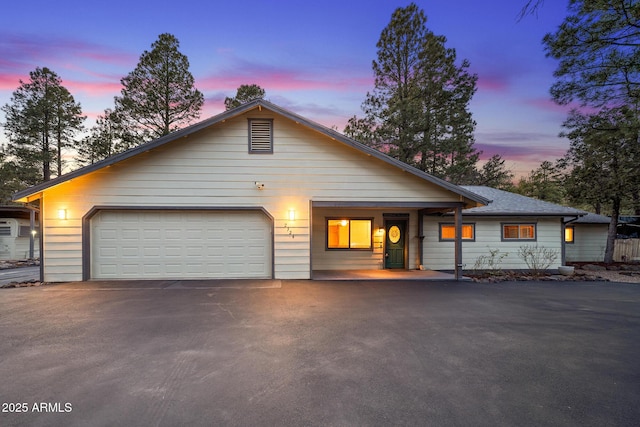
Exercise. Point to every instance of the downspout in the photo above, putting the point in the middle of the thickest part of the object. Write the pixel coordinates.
(421, 239)
(458, 243)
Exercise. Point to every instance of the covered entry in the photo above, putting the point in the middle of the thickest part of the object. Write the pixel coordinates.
(395, 240)
(179, 244)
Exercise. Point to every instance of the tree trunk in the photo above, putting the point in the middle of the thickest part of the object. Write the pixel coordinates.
(613, 231)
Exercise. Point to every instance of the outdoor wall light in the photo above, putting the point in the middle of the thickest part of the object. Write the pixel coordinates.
(62, 214)
(380, 230)
(292, 214)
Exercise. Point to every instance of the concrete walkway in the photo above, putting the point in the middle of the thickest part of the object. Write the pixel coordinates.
(381, 275)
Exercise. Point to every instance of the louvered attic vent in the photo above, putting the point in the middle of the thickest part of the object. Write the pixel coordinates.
(260, 136)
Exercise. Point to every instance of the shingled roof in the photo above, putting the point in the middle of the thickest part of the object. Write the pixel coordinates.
(505, 203)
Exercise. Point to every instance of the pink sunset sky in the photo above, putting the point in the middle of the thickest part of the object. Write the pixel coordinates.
(313, 58)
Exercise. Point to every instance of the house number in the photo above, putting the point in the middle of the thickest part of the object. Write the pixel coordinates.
(394, 234)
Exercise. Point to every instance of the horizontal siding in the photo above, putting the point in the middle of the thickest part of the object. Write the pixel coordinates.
(590, 241)
(324, 259)
(17, 248)
(214, 169)
(440, 255)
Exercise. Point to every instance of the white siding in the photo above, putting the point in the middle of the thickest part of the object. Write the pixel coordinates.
(590, 241)
(440, 255)
(14, 246)
(214, 168)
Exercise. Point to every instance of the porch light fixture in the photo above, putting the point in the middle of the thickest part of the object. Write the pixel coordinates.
(380, 230)
(292, 214)
(62, 214)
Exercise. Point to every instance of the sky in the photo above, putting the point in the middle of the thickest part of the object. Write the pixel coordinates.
(313, 58)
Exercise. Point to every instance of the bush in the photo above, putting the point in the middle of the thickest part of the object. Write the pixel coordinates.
(490, 264)
(537, 258)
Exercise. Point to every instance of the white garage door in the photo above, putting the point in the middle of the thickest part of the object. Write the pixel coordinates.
(180, 244)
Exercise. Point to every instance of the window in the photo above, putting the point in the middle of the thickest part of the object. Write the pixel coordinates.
(5, 230)
(25, 230)
(261, 136)
(569, 234)
(448, 232)
(349, 234)
(518, 232)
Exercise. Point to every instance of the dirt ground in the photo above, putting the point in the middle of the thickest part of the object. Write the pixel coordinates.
(613, 276)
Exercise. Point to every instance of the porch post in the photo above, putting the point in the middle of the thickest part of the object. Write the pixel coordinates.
(32, 230)
(458, 243)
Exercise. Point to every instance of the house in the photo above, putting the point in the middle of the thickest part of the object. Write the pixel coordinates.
(17, 242)
(255, 192)
(586, 238)
(509, 222)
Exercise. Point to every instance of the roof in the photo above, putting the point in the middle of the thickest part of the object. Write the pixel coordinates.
(591, 218)
(505, 203)
(15, 212)
(258, 103)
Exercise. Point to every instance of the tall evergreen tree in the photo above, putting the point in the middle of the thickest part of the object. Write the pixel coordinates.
(604, 152)
(418, 111)
(544, 183)
(495, 174)
(159, 95)
(101, 141)
(12, 177)
(598, 48)
(244, 94)
(41, 120)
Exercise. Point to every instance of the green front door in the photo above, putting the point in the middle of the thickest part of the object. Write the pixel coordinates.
(394, 245)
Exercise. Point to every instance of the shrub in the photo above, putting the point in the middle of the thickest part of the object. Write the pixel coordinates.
(537, 258)
(490, 263)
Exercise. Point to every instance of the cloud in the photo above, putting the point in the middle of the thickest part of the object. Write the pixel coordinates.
(279, 78)
(21, 53)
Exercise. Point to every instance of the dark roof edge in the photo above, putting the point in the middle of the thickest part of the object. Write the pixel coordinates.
(185, 132)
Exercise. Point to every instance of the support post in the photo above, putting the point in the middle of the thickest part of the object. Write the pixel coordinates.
(32, 232)
(458, 243)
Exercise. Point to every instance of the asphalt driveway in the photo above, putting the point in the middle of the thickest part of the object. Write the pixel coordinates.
(321, 353)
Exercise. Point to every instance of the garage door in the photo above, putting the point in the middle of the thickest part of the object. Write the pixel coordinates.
(180, 244)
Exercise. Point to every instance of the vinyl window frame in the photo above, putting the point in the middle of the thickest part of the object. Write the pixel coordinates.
(519, 238)
(349, 219)
(453, 239)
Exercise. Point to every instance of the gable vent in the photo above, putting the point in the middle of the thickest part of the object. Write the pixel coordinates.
(260, 136)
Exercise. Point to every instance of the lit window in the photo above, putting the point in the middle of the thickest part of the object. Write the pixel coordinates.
(349, 233)
(569, 234)
(518, 232)
(448, 232)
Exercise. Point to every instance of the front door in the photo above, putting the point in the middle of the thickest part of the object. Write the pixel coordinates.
(394, 245)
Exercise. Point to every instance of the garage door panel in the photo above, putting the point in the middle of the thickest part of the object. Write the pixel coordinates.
(180, 244)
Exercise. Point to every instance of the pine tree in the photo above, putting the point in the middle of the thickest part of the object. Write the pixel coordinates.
(41, 120)
(159, 95)
(244, 94)
(418, 111)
